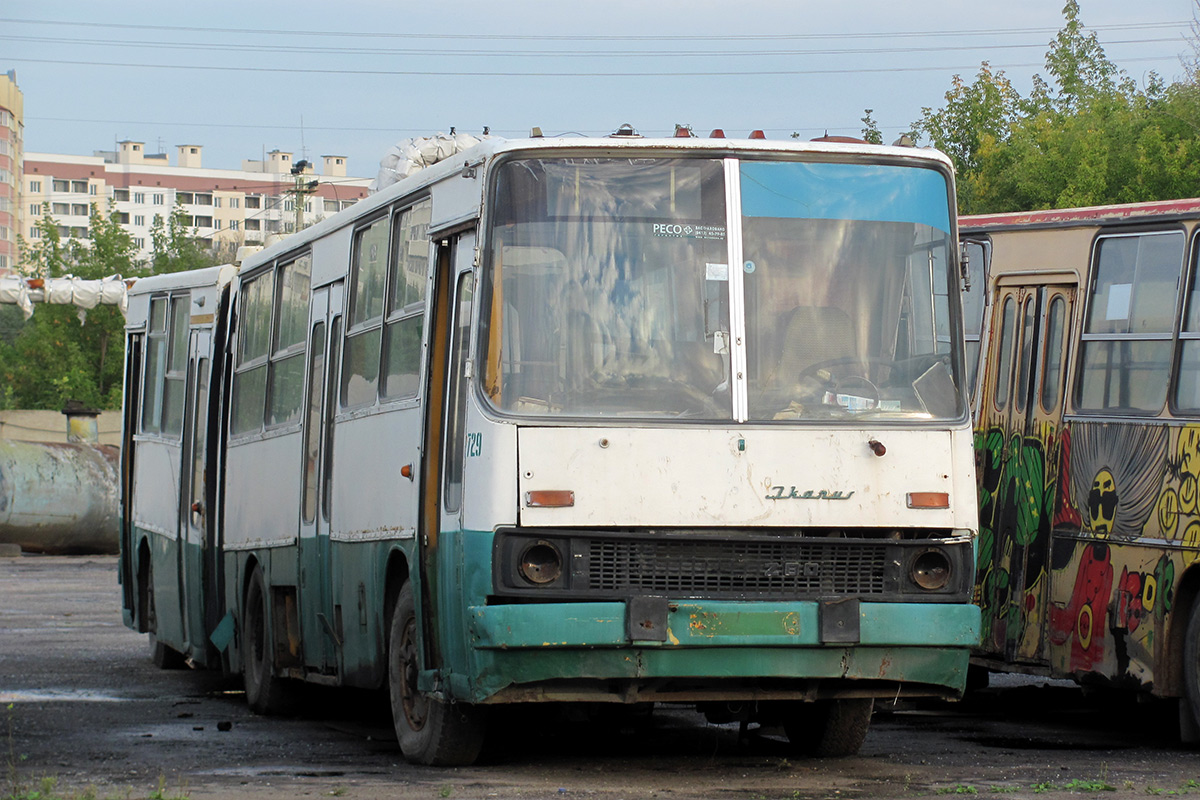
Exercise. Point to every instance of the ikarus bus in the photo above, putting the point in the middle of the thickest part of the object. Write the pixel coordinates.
(573, 420)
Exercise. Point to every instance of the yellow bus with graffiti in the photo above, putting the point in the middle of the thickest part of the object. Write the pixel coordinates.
(1087, 442)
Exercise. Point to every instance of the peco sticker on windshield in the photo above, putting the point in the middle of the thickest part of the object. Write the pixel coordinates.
(679, 231)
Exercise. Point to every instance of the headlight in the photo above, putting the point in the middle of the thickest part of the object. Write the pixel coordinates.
(540, 563)
(931, 570)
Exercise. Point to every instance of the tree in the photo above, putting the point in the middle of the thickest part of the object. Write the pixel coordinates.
(976, 115)
(176, 247)
(870, 131)
(65, 353)
(1086, 135)
(1078, 64)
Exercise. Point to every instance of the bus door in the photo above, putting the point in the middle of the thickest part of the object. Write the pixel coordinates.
(1021, 436)
(442, 479)
(193, 512)
(318, 631)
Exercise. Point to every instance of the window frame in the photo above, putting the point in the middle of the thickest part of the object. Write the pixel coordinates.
(389, 316)
(273, 356)
(1004, 365)
(160, 369)
(1171, 336)
(1190, 284)
(291, 351)
(369, 326)
(395, 315)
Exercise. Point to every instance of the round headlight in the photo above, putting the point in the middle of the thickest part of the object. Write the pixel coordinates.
(540, 563)
(931, 570)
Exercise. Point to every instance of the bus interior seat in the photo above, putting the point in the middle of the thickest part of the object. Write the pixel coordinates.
(814, 335)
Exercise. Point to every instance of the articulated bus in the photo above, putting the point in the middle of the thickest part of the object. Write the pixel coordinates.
(572, 420)
(1088, 445)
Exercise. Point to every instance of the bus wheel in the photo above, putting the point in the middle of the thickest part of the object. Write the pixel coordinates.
(1191, 667)
(266, 692)
(430, 731)
(829, 728)
(164, 657)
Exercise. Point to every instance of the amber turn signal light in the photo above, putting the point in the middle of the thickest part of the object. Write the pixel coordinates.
(928, 500)
(550, 498)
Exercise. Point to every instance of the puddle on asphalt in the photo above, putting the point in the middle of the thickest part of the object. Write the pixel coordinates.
(59, 696)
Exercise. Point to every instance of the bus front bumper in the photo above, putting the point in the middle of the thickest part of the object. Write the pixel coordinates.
(720, 649)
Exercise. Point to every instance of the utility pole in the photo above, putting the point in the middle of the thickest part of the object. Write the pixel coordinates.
(300, 191)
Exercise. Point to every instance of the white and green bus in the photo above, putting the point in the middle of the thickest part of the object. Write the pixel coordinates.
(578, 420)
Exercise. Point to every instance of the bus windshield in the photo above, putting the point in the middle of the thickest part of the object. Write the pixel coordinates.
(612, 294)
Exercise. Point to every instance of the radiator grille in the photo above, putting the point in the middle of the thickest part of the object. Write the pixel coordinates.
(714, 569)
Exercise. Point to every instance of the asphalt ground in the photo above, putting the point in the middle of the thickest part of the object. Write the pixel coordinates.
(81, 703)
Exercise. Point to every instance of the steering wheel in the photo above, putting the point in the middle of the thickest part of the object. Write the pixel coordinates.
(834, 383)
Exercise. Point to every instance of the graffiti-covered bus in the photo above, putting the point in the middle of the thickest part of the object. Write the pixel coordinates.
(571, 420)
(1087, 444)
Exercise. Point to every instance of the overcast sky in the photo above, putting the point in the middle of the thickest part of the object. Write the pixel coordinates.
(351, 78)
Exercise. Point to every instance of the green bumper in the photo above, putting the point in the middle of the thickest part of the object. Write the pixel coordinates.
(907, 643)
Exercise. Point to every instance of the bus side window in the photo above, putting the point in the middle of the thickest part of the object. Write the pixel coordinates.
(972, 300)
(1125, 352)
(1007, 337)
(1025, 362)
(254, 342)
(1187, 382)
(166, 366)
(287, 359)
(1052, 357)
(312, 428)
(456, 399)
(408, 272)
(156, 366)
(360, 362)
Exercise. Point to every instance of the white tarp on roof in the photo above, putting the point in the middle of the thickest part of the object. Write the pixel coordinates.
(67, 290)
(409, 155)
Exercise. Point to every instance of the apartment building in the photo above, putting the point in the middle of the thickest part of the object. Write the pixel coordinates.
(12, 134)
(227, 207)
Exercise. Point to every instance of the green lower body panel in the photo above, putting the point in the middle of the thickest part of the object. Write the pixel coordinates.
(752, 648)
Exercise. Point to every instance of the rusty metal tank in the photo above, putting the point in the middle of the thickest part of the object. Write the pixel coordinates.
(59, 498)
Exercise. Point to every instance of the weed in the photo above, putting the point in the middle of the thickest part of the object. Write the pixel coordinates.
(1042, 788)
(1097, 785)
(959, 789)
(161, 792)
(445, 791)
(337, 791)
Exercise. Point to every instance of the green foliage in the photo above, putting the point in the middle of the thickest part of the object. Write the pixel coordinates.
(175, 245)
(1096, 785)
(870, 131)
(1086, 135)
(62, 352)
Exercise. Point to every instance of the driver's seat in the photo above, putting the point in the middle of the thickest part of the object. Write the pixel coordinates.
(813, 334)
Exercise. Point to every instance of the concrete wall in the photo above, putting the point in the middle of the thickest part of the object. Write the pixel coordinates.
(51, 426)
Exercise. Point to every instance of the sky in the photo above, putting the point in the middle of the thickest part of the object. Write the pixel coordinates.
(352, 78)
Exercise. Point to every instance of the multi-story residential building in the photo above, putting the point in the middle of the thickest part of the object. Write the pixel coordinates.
(227, 207)
(12, 127)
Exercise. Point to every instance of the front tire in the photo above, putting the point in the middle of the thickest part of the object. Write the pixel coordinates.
(430, 731)
(829, 728)
(266, 693)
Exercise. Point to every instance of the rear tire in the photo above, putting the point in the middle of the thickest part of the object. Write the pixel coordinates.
(430, 731)
(1191, 677)
(829, 728)
(266, 692)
